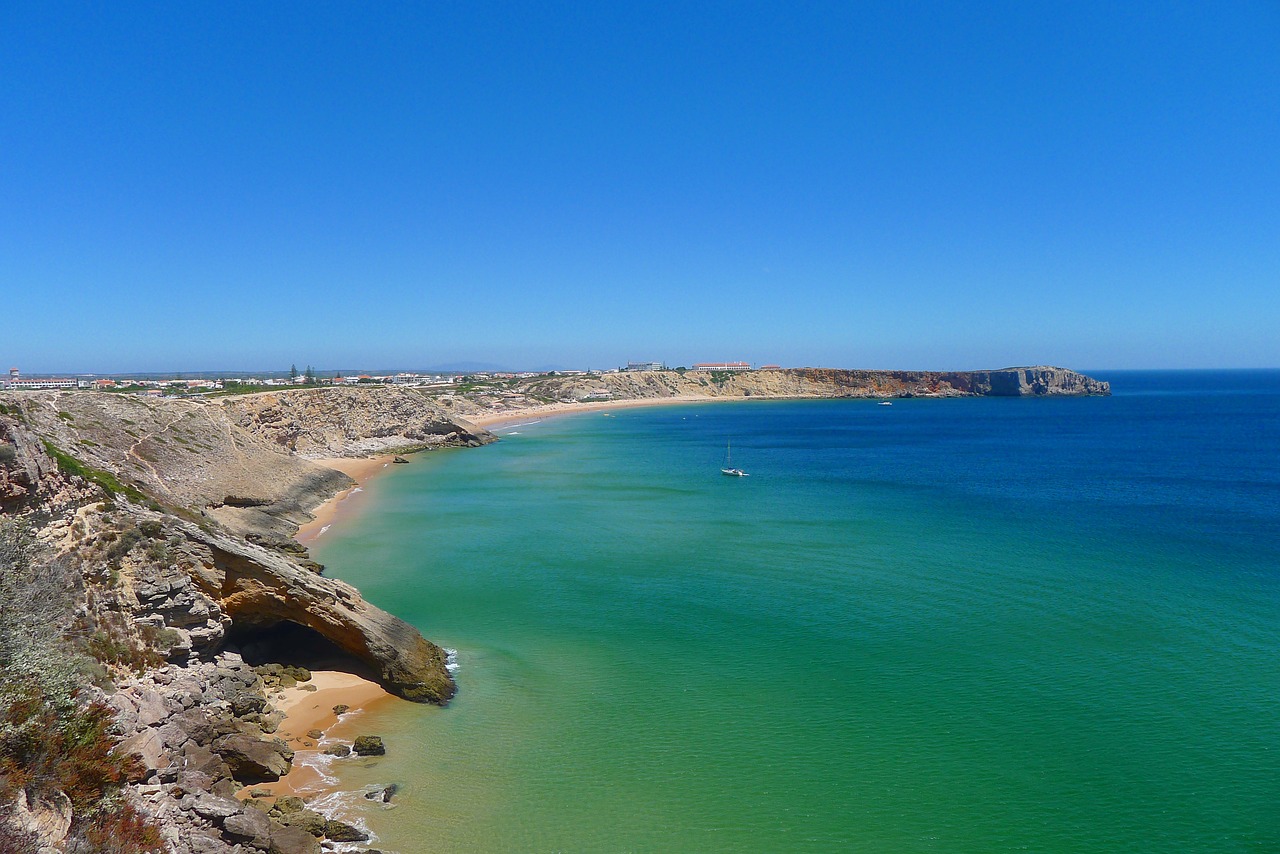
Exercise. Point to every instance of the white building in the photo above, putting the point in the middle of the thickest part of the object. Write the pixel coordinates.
(16, 382)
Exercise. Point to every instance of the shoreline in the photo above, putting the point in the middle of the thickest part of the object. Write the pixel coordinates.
(306, 710)
(364, 469)
(551, 410)
(339, 506)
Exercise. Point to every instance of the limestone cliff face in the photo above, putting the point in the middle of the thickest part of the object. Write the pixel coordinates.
(818, 382)
(258, 589)
(239, 461)
(350, 422)
(236, 471)
(203, 583)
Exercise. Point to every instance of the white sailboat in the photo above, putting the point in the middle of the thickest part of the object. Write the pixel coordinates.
(728, 463)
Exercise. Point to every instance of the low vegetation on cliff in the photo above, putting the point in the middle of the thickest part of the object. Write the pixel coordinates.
(58, 769)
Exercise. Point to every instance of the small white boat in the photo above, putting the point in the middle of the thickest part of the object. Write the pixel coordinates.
(728, 464)
(885, 403)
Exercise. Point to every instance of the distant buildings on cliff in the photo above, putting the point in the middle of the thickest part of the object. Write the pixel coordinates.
(700, 366)
(15, 380)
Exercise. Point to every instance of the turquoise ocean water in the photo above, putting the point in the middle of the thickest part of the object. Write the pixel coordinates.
(946, 625)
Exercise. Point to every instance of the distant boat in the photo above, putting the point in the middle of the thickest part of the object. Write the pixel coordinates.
(728, 463)
(885, 403)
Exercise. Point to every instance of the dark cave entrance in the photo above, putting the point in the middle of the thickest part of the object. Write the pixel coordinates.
(293, 644)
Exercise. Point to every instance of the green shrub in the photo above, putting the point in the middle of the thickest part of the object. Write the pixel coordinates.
(158, 551)
(72, 467)
(51, 741)
(129, 538)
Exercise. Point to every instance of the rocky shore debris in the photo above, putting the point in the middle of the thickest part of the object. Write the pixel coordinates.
(202, 732)
(368, 745)
(276, 676)
(383, 794)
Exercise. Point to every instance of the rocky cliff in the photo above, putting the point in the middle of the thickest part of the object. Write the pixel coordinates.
(820, 382)
(226, 480)
(350, 422)
(241, 462)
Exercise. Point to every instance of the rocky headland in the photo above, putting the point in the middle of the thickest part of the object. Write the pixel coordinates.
(176, 521)
(515, 397)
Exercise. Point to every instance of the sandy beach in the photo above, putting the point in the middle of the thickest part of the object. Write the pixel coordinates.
(307, 710)
(359, 469)
(548, 410)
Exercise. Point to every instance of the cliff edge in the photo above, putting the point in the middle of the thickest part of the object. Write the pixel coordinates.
(225, 486)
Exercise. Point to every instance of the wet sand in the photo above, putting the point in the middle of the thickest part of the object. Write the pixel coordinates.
(346, 502)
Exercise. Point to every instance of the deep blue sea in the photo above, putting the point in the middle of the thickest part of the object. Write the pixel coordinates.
(981, 624)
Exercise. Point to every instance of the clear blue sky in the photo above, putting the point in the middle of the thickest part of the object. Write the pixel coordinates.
(916, 185)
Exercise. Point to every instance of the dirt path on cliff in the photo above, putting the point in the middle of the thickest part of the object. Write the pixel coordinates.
(143, 461)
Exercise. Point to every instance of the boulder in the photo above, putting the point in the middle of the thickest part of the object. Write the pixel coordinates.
(340, 831)
(196, 757)
(194, 781)
(293, 840)
(309, 820)
(148, 747)
(254, 760)
(383, 793)
(212, 807)
(226, 788)
(247, 703)
(288, 804)
(151, 708)
(369, 745)
(251, 826)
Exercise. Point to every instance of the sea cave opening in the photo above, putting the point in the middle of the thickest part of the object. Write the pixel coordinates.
(290, 643)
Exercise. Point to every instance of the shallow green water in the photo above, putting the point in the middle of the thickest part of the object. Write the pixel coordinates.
(971, 625)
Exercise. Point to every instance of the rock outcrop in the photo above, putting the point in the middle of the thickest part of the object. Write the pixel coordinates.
(196, 587)
(242, 461)
(197, 743)
(817, 382)
(350, 422)
(261, 589)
